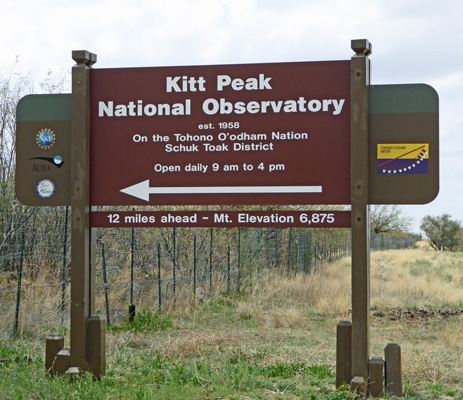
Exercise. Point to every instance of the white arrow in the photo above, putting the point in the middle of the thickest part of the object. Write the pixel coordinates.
(143, 190)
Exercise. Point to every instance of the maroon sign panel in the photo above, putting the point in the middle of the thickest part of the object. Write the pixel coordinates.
(226, 134)
(220, 219)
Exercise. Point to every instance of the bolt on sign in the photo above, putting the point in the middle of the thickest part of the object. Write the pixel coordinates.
(227, 134)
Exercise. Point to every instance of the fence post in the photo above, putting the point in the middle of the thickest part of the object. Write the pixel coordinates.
(210, 264)
(276, 254)
(289, 250)
(174, 264)
(194, 266)
(250, 264)
(309, 258)
(325, 247)
(159, 278)
(238, 275)
(132, 256)
(18, 295)
(259, 244)
(63, 272)
(315, 254)
(105, 280)
(228, 271)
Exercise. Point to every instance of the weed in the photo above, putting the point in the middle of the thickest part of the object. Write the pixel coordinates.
(321, 371)
(6, 351)
(342, 396)
(284, 370)
(145, 321)
(420, 267)
(274, 341)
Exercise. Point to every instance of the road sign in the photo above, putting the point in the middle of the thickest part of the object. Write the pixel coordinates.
(43, 150)
(288, 133)
(183, 159)
(404, 144)
(230, 134)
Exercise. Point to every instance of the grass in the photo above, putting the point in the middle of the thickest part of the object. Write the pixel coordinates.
(144, 321)
(275, 341)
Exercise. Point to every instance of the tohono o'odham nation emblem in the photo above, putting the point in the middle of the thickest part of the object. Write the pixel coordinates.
(45, 138)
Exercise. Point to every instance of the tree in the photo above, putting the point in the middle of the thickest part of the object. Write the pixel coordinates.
(14, 215)
(442, 232)
(388, 219)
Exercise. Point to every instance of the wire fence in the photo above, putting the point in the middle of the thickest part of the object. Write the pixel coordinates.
(155, 268)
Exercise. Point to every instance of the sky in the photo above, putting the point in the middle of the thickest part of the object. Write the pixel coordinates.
(414, 41)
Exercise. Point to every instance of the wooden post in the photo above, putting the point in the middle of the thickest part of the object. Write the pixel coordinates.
(54, 344)
(73, 372)
(376, 376)
(82, 275)
(62, 362)
(96, 346)
(360, 79)
(358, 385)
(393, 358)
(343, 353)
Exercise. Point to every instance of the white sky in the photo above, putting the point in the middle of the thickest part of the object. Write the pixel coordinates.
(414, 41)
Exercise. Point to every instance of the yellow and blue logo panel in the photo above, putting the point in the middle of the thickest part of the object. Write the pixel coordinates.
(403, 158)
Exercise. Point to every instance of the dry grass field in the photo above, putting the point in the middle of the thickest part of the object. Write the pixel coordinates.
(276, 340)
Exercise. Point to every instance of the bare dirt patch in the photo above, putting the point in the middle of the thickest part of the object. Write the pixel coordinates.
(417, 314)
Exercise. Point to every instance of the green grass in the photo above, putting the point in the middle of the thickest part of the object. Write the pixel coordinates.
(260, 344)
(253, 364)
(152, 376)
(144, 321)
(419, 267)
(152, 358)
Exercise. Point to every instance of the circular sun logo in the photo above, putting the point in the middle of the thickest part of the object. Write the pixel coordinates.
(45, 138)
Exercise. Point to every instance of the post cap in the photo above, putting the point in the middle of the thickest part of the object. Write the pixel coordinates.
(96, 318)
(84, 57)
(64, 353)
(361, 47)
(55, 336)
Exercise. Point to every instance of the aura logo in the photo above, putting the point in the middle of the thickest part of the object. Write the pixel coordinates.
(45, 138)
(56, 161)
